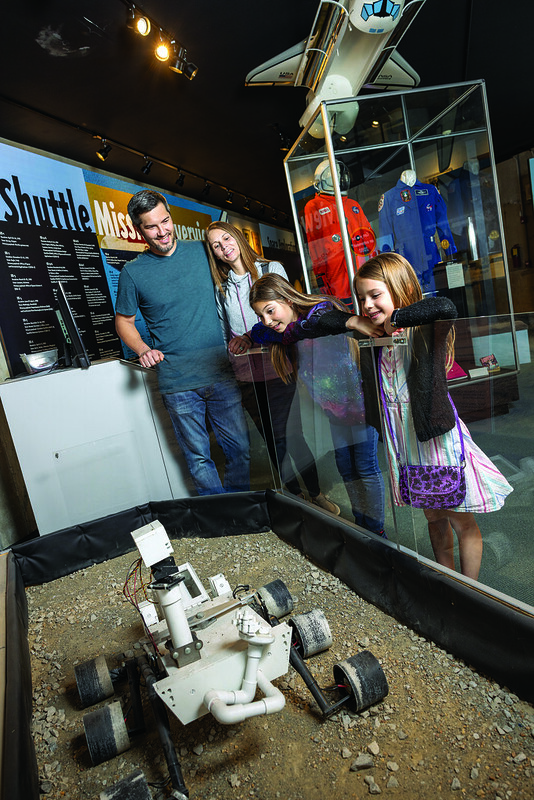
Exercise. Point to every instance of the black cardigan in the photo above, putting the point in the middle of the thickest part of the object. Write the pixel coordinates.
(432, 412)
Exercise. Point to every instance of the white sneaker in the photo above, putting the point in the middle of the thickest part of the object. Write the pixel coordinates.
(323, 502)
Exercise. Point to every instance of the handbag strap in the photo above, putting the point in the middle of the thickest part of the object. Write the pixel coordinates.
(388, 421)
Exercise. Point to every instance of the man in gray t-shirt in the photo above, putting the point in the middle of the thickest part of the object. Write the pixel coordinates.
(171, 285)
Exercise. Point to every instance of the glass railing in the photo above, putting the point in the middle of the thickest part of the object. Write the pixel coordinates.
(270, 413)
(491, 384)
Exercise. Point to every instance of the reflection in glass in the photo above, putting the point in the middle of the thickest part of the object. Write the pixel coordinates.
(291, 323)
(422, 428)
(378, 121)
(445, 110)
(442, 136)
(496, 407)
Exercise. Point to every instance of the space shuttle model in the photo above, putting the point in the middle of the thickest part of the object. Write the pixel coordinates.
(352, 44)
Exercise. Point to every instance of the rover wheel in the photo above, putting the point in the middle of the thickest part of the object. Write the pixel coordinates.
(277, 598)
(311, 632)
(364, 680)
(106, 733)
(93, 681)
(133, 787)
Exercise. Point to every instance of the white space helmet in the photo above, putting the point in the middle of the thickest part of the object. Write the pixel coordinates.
(322, 179)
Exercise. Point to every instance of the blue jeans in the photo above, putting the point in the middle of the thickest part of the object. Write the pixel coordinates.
(357, 462)
(220, 403)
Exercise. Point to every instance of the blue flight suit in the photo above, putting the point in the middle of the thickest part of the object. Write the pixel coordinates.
(408, 217)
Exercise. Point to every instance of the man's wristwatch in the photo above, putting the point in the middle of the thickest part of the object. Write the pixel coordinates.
(393, 319)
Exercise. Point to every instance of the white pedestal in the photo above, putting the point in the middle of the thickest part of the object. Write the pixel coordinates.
(92, 442)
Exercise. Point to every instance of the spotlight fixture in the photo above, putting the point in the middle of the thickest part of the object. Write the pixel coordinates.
(178, 62)
(190, 70)
(166, 48)
(130, 17)
(140, 23)
(275, 213)
(162, 50)
(206, 190)
(262, 209)
(147, 167)
(180, 179)
(104, 151)
(246, 204)
(229, 196)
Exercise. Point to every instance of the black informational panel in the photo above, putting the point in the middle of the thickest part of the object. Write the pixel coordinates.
(47, 234)
(32, 260)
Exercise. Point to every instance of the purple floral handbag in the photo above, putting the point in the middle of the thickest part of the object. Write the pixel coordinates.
(432, 486)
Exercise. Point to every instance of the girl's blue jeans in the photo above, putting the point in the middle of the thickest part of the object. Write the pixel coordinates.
(357, 461)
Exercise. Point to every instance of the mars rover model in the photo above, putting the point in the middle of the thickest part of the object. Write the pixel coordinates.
(209, 652)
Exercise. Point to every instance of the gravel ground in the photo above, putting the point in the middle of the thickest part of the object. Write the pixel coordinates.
(443, 731)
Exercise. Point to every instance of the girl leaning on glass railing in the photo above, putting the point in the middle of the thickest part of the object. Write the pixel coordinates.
(329, 369)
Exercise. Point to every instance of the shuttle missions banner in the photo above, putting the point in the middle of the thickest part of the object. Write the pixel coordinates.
(59, 222)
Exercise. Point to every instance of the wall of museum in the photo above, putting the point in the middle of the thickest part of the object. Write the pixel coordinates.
(515, 189)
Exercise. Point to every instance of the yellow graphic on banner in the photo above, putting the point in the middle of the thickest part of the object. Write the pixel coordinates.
(115, 230)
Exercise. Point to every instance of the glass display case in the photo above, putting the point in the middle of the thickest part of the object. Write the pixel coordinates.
(411, 172)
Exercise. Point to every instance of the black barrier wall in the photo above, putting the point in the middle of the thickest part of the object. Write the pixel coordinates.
(19, 777)
(483, 631)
